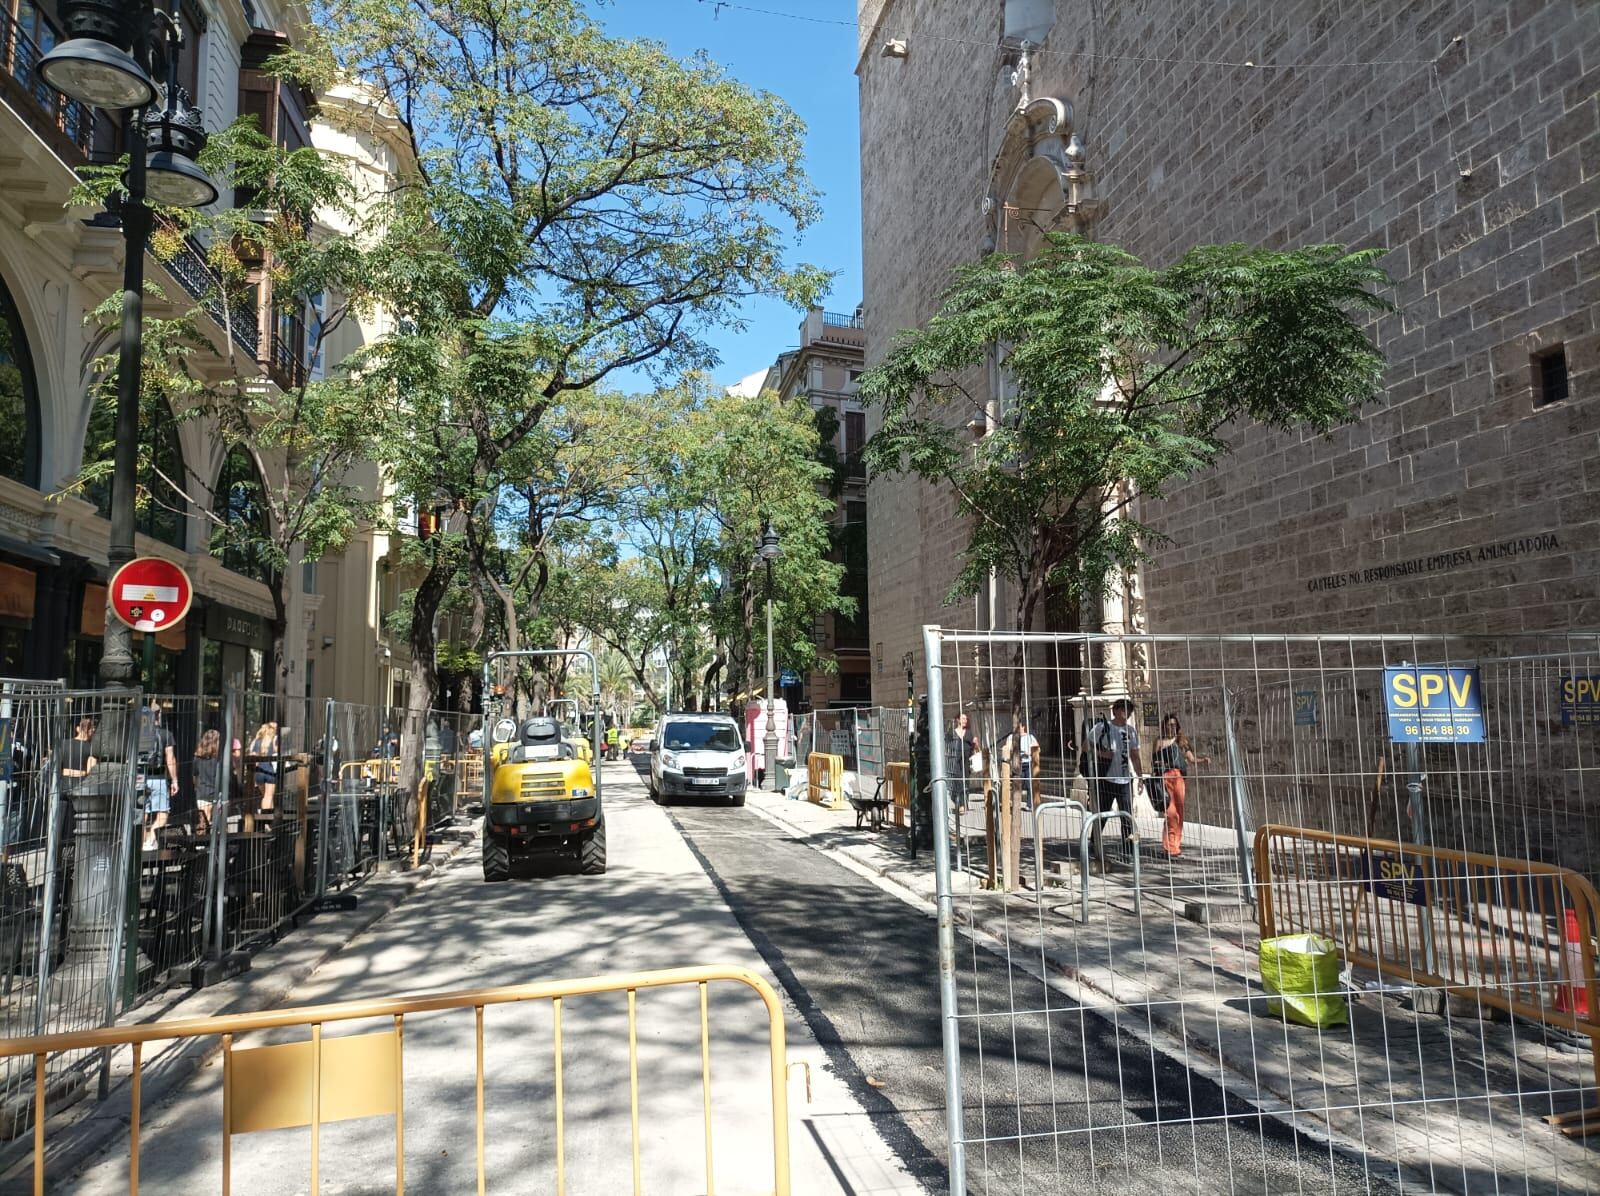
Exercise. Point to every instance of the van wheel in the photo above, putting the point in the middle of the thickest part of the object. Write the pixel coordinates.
(736, 800)
(592, 855)
(496, 858)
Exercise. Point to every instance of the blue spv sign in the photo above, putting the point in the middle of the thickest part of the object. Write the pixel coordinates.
(1580, 701)
(1429, 704)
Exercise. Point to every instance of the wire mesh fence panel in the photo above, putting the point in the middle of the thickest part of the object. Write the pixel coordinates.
(180, 755)
(1268, 914)
(453, 768)
(70, 815)
(261, 834)
(363, 778)
(831, 732)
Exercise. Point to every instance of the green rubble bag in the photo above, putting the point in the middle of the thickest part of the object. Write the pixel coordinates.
(1301, 974)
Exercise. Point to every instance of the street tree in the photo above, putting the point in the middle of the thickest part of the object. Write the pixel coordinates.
(299, 434)
(681, 579)
(600, 206)
(1121, 379)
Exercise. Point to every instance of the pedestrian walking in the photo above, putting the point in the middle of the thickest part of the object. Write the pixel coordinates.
(158, 755)
(963, 760)
(1171, 758)
(264, 750)
(1022, 751)
(207, 774)
(1118, 766)
(76, 756)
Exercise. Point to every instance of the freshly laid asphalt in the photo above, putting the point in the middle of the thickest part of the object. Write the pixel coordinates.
(1058, 1099)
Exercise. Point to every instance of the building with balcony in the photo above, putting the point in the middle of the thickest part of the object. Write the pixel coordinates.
(824, 370)
(57, 266)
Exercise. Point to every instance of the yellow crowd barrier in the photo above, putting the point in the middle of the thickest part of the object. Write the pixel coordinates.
(1514, 934)
(825, 773)
(897, 780)
(311, 1083)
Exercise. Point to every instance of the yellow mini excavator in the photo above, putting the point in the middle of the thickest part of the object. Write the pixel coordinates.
(543, 801)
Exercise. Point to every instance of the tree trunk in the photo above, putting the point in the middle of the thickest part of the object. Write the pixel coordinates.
(280, 659)
(423, 689)
(1029, 593)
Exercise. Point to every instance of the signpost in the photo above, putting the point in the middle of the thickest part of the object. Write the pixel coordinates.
(150, 594)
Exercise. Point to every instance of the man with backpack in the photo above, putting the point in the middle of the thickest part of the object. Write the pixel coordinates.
(1111, 751)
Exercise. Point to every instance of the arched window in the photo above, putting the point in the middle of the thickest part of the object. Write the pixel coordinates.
(19, 398)
(241, 502)
(160, 506)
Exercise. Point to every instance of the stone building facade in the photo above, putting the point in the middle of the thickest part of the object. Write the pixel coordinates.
(823, 369)
(1462, 137)
(57, 265)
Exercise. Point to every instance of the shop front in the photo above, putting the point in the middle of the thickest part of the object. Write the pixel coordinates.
(237, 650)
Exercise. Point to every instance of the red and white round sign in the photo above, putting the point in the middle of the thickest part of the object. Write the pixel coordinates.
(151, 594)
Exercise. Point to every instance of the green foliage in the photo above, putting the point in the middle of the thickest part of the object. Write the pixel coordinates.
(680, 578)
(582, 205)
(1120, 380)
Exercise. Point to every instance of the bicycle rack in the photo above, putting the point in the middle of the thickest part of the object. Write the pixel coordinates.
(1056, 803)
(1089, 823)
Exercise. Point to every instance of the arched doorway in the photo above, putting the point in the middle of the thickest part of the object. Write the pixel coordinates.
(19, 397)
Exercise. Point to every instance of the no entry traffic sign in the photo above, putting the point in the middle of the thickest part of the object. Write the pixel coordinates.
(151, 594)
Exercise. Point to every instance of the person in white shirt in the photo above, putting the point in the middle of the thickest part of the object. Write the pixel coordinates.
(1116, 748)
(1023, 751)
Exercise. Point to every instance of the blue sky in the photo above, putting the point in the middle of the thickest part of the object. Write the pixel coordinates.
(812, 67)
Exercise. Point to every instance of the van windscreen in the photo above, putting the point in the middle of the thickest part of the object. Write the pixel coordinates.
(702, 736)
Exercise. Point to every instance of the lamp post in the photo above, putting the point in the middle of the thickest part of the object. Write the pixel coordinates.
(767, 550)
(108, 62)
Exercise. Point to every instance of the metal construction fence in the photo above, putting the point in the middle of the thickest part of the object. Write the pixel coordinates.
(299, 1069)
(153, 842)
(68, 813)
(1150, 825)
(866, 738)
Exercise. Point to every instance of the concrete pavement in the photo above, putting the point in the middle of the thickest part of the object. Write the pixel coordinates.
(655, 908)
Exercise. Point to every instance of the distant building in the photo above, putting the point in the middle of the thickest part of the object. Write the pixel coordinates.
(1461, 138)
(824, 371)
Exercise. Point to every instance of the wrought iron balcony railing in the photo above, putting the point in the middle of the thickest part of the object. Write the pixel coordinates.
(20, 53)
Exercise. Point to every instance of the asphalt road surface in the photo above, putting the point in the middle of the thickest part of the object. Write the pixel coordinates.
(654, 908)
(1058, 1100)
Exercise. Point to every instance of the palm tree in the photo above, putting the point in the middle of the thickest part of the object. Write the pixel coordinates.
(617, 687)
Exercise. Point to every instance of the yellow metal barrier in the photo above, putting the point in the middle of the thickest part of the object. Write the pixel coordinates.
(307, 1084)
(1514, 934)
(897, 779)
(825, 772)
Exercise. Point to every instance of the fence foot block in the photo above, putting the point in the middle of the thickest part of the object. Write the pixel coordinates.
(215, 971)
(1579, 1123)
(337, 903)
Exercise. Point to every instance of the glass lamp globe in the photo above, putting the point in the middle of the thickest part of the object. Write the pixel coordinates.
(97, 73)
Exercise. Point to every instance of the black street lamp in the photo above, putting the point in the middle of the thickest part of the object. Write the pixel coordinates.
(767, 550)
(109, 62)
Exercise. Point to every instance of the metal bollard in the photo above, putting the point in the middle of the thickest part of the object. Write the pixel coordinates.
(1089, 823)
(1060, 803)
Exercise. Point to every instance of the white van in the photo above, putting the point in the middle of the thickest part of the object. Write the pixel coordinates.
(697, 755)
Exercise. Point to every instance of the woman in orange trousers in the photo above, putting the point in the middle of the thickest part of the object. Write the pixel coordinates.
(1171, 760)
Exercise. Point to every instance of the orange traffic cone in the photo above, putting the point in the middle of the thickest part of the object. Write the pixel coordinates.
(1573, 995)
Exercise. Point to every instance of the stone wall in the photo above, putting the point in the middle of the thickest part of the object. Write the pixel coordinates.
(1455, 503)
